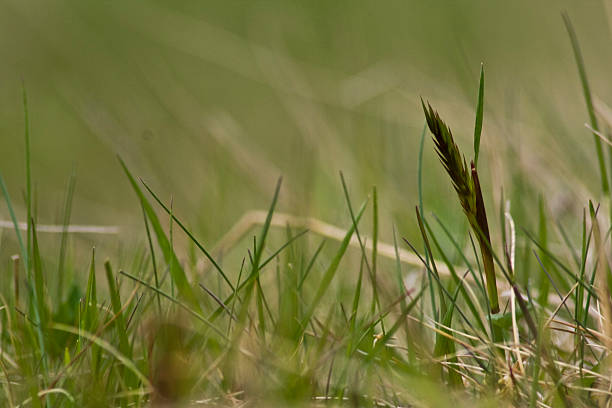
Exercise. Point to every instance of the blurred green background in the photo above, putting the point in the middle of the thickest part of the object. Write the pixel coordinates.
(211, 101)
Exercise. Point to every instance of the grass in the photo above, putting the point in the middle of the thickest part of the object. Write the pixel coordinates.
(502, 312)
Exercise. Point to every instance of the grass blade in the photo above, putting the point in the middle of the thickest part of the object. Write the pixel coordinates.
(479, 116)
(332, 268)
(189, 234)
(7, 199)
(588, 100)
(64, 239)
(177, 272)
(124, 343)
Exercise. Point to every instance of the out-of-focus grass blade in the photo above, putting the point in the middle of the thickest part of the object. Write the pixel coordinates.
(262, 238)
(562, 267)
(28, 175)
(587, 306)
(178, 274)
(398, 323)
(402, 288)
(374, 246)
(189, 234)
(153, 260)
(573, 252)
(90, 315)
(38, 298)
(259, 248)
(7, 199)
(64, 239)
(255, 264)
(457, 279)
(432, 298)
(186, 307)
(121, 328)
(285, 245)
(433, 268)
(589, 101)
(479, 116)
(310, 264)
(443, 345)
(332, 268)
(101, 343)
(375, 300)
(39, 282)
(124, 343)
(544, 283)
(36, 306)
(355, 307)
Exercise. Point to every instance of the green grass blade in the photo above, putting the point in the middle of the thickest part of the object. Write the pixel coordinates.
(189, 234)
(477, 279)
(7, 199)
(28, 178)
(544, 284)
(64, 239)
(433, 268)
(570, 247)
(399, 322)
(153, 260)
(355, 305)
(176, 301)
(124, 343)
(171, 239)
(332, 268)
(38, 298)
(255, 267)
(375, 300)
(90, 315)
(178, 274)
(432, 298)
(374, 247)
(588, 100)
(457, 279)
(311, 263)
(285, 245)
(102, 344)
(479, 116)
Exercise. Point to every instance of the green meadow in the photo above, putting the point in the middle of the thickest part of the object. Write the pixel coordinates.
(282, 203)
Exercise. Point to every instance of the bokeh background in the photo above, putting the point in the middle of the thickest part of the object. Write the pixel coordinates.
(210, 102)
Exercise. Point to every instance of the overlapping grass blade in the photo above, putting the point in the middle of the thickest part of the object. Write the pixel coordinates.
(178, 274)
(189, 234)
(332, 268)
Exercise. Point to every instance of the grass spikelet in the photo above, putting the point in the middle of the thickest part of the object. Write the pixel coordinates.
(467, 185)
